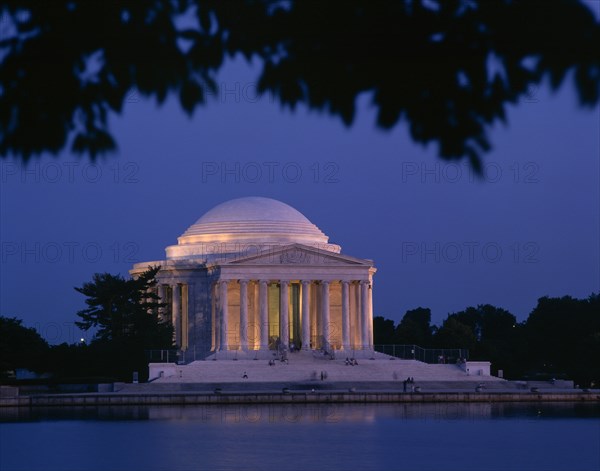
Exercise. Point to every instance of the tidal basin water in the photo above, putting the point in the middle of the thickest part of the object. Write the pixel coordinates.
(443, 436)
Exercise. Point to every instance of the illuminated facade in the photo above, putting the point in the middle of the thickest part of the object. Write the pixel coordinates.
(253, 275)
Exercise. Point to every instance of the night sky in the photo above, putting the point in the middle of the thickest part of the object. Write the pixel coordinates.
(440, 237)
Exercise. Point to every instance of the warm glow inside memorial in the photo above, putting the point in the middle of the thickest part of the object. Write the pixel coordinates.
(254, 275)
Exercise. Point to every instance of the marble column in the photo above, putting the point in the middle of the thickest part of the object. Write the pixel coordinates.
(224, 314)
(184, 322)
(345, 316)
(356, 318)
(264, 315)
(364, 313)
(370, 307)
(284, 313)
(244, 315)
(325, 314)
(161, 296)
(176, 314)
(305, 315)
(214, 317)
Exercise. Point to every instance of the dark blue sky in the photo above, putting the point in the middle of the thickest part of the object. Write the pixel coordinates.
(440, 237)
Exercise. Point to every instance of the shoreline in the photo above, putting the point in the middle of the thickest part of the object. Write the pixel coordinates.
(289, 397)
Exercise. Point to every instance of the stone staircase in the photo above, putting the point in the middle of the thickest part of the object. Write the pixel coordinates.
(304, 367)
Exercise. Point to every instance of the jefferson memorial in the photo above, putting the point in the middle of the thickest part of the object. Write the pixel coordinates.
(254, 275)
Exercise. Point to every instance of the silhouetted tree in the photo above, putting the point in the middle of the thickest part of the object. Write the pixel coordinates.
(125, 310)
(448, 68)
(20, 346)
(563, 336)
(498, 337)
(125, 314)
(455, 334)
(384, 332)
(415, 328)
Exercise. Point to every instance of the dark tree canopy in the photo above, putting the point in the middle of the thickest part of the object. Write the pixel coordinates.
(20, 346)
(487, 322)
(415, 327)
(447, 68)
(564, 336)
(125, 311)
(455, 334)
(383, 331)
(560, 338)
(490, 333)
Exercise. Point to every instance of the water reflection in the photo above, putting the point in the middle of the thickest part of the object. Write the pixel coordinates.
(443, 436)
(303, 413)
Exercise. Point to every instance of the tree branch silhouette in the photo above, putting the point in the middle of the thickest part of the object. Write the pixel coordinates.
(446, 68)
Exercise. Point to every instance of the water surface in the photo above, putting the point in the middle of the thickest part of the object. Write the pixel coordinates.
(302, 437)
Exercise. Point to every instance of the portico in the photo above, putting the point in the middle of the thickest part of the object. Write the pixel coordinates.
(259, 306)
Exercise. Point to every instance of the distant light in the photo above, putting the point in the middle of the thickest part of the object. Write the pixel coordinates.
(82, 340)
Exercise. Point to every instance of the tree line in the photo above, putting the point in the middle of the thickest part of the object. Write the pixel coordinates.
(126, 318)
(559, 339)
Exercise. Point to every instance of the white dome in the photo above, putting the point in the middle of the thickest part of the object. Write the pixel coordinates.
(247, 224)
(252, 208)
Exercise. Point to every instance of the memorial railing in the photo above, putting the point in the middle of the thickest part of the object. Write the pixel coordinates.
(426, 355)
(405, 352)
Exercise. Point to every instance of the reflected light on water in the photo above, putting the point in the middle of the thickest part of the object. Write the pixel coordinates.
(474, 436)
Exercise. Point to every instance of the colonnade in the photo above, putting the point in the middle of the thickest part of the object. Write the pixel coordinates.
(176, 295)
(317, 328)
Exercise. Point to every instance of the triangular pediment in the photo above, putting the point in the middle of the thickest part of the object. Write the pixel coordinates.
(298, 254)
